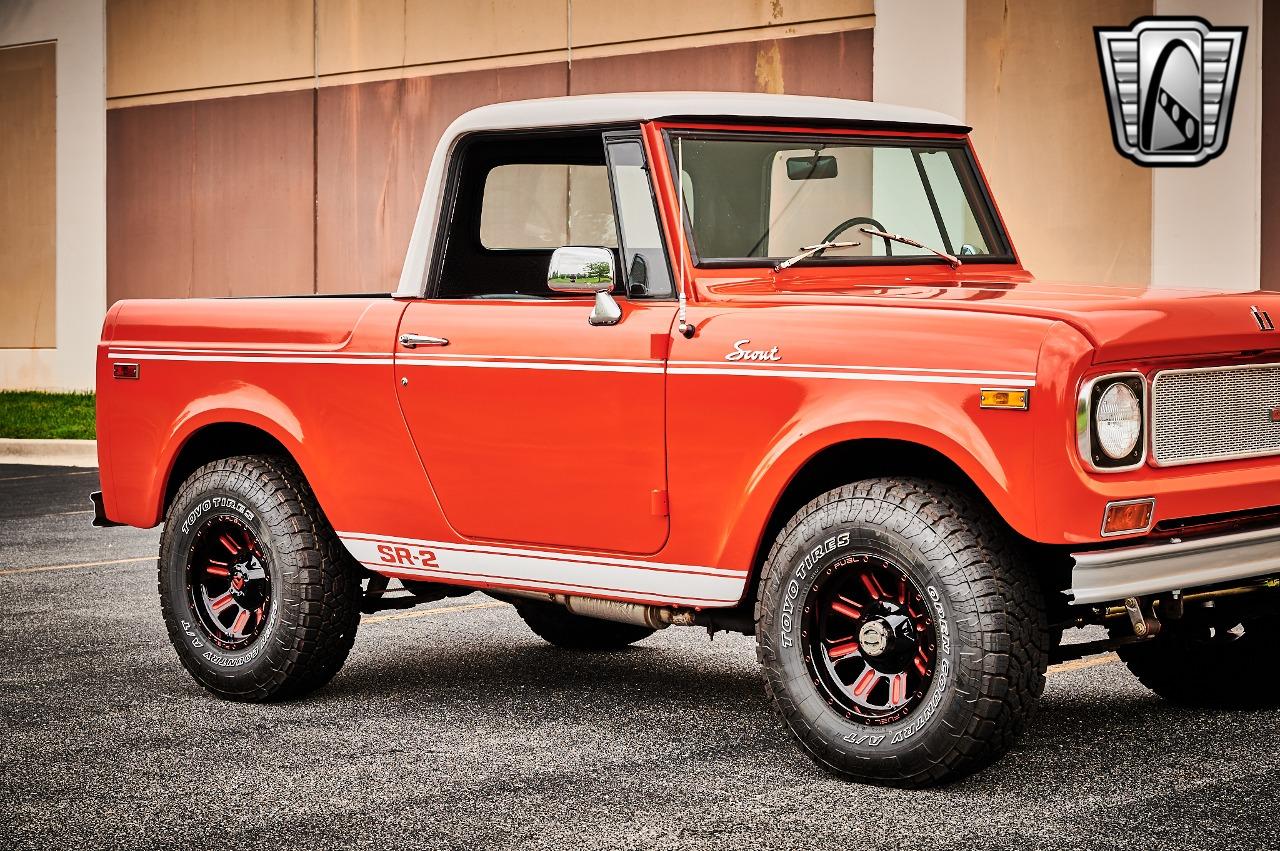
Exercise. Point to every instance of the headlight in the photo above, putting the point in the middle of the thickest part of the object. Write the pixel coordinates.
(1118, 421)
(1111, 422)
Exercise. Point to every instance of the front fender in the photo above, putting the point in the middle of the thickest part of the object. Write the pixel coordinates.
(985, 445)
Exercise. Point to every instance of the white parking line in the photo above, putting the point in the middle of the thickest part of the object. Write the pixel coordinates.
(402, 616)
(44, 568)
(50, 475)
(1081, 664)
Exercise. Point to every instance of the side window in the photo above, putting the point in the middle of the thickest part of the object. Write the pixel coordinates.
(516, 198)
(644, 257)
(546, 205)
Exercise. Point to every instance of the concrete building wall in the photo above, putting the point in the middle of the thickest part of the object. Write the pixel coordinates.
(75, 27)
(1206, 231)
(1077, 211)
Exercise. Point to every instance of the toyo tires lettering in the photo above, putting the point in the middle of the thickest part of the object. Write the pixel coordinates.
(802, 573)
(216, 502)
(944, 630)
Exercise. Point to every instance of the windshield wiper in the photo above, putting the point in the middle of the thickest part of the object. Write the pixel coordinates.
(906, 240)
(809, 251)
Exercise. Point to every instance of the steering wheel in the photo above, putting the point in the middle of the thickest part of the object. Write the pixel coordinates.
(858, 220)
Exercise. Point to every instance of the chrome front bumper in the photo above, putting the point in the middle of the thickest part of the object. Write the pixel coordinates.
(1105, 576)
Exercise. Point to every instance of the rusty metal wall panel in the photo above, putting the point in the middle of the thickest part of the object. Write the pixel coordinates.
(150, 159)
(374, 144)
(28, 257)
(833, 65)
(254, 226)
(211, 198)
(610, 22)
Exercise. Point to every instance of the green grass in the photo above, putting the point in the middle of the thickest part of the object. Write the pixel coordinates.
(62, 415)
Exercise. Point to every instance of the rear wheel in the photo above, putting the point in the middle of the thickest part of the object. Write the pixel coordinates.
(561, 627)
(260, 598)
(1211, 660)
(902, 642)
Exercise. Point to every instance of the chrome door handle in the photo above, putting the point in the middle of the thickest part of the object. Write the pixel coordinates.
(412, 341)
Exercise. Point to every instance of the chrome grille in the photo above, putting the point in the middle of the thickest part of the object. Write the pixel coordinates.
(1216, 413)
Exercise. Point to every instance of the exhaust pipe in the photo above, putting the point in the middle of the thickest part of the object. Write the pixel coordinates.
(653, 617)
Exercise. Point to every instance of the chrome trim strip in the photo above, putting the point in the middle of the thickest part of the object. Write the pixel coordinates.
(1235, 456)
(1084, 422)
(1104, 576)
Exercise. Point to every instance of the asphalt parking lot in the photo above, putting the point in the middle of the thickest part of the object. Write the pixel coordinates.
(455, 727)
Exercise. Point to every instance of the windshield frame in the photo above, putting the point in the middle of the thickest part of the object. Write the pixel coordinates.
(970, 176)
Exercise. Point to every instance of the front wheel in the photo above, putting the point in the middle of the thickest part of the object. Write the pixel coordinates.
(902, 642)
(259, 596)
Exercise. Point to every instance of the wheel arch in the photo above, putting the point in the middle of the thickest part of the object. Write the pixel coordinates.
(839, 462)
(219, 433)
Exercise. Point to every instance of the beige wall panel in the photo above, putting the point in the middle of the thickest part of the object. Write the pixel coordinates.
(443, 30)
(362, 35)
(1270, 213)
(359, 35)
(1075, 208)
(609, 22)
(162, 46)
(27, 197)
(832, 65)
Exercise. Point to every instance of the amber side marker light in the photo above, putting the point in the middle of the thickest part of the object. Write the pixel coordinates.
(1127, 517)
(1009, 400)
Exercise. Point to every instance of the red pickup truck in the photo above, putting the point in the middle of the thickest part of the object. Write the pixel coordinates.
(747, 362)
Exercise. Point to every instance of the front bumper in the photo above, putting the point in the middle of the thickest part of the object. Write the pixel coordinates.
(1104, 576)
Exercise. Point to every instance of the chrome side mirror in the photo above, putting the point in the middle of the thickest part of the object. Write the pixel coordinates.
(586, 269)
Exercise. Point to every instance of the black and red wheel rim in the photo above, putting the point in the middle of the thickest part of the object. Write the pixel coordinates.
(869, 639)
(228, 582)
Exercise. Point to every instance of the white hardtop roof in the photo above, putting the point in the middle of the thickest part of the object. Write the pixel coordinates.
(580, 110)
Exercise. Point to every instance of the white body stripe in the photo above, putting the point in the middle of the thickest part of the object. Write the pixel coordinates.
(772, 372)
(925, 375)
(549, 570)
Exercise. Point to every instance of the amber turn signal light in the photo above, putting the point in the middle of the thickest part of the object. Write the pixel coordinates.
(1132, 515)
(1010, 400)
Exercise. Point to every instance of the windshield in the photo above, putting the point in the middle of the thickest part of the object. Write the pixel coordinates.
(767, 198)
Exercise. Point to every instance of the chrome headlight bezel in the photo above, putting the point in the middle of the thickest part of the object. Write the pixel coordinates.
(1091, 453)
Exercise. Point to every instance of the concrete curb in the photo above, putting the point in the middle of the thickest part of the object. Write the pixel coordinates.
(53, 453)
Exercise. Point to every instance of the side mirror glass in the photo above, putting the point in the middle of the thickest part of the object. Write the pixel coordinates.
(582, 270)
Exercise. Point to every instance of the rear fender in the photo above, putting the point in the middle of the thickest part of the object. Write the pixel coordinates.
(246, 405)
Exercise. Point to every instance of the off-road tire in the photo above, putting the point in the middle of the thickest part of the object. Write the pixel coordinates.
(314, 583)
(561, 627)
(991, 652)
(1187, 665)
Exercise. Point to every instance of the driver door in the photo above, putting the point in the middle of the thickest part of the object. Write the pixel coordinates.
(533, 426)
